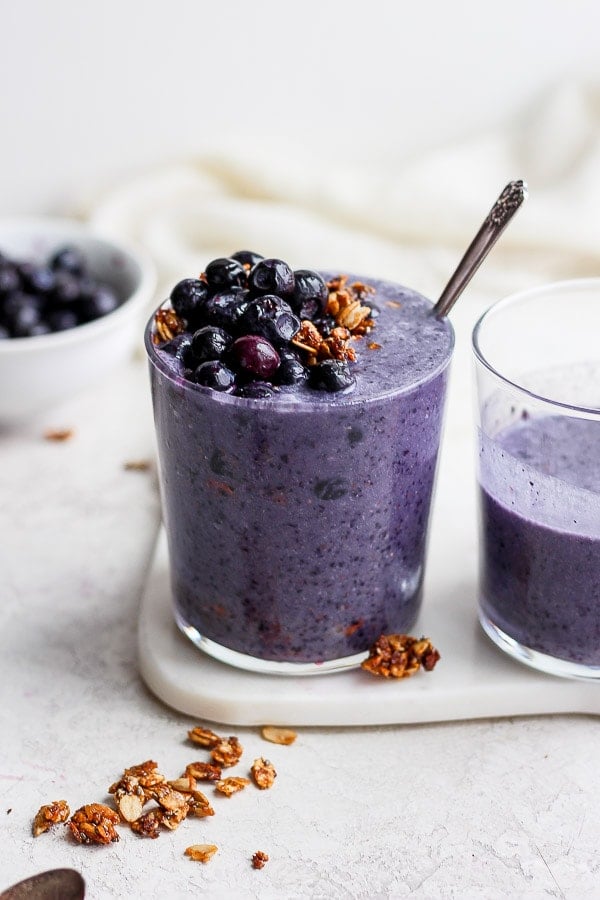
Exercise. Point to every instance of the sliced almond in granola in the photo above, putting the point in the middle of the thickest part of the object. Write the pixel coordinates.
(277, 735)
(201, 852)
(168, 798)
(127, 784)
(263, 772)
(199, 805)
(50, 814)
(203, 736)
(172, 819)
(147, 773)
(185, 784)
(227, 752)
(130, 807)
(231, 785)
(203, 771)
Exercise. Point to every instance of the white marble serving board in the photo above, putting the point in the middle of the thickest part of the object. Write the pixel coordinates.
(472, 680)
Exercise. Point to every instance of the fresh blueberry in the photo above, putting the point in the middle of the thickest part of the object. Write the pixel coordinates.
(40, 329)
(21, 313)
(255, 356)
(272, 318)
(331, 375)
(67, 288)
(291, 370)
(247, 257)
(26, 271)
(257, 390)
(226, 309)
(225, 273)
(214, 374)
(4, 333)
(9, 278)
(177, 345)
(210, 343)
(188, 297)
(99, 302)
(68, 259)
(325, 324)
(62, 319)
(310, 294)
(271, 276)
(40, 280)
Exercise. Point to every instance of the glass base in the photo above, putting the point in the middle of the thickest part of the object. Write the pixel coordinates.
(533, 658)
(266, 666)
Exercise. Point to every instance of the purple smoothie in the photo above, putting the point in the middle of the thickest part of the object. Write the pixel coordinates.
(297, 524)
(540, 536)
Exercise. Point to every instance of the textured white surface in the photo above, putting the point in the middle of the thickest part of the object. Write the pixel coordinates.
(490, 808)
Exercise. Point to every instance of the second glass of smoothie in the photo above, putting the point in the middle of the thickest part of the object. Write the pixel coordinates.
(538, 377)
(297, 524)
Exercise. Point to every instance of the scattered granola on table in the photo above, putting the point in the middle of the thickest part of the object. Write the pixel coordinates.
(58, 435)
(203, 771)
(137, 465)
(204, 737)
(227, 752)
(400, 656)
(50, 814)
(94, 823)
(129, 797)
(276, 735)
(199, 805)
(147, 773)
(177, 799)
(148, 824)
(263, 772)
(231, 785)
(201, 852)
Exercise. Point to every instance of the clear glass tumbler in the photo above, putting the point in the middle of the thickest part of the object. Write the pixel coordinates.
(297, 524)
(537, 364)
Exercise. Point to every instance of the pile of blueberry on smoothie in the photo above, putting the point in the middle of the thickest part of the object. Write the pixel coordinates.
(298, 418)
(250, 325)
(56, 295)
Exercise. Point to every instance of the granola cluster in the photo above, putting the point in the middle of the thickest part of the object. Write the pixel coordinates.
(94, 823)
(149, 803)
(400, 656)
(351, 318)
(51, 814)
(167, 325)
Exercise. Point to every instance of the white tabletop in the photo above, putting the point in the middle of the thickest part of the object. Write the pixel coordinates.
(487, 808)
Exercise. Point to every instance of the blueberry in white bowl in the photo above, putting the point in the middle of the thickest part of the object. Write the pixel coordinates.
(71, 303)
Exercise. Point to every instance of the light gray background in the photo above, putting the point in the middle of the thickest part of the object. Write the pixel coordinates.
(90, 91)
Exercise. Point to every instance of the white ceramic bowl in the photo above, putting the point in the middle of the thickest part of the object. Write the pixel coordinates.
(39, 372)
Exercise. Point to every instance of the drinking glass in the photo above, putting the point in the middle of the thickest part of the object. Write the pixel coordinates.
(537, 367)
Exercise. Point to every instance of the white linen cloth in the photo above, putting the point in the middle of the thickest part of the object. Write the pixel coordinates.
(410, 224)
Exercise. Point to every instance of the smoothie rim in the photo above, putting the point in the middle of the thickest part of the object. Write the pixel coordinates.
(296, 402)
(592, 412)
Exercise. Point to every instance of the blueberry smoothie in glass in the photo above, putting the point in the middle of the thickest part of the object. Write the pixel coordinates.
(298, 418)
(540, 536)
